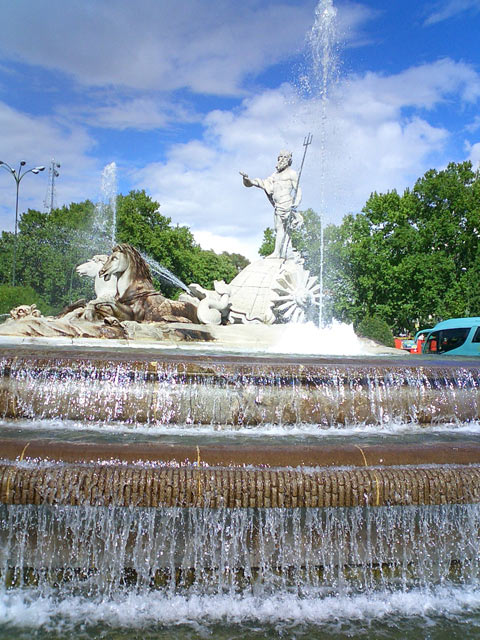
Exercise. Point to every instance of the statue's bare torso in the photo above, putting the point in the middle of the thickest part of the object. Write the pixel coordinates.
(284, 194)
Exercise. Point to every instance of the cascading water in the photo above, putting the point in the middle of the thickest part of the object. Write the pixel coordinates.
(144, 494)
(318, 552)
(224, 396)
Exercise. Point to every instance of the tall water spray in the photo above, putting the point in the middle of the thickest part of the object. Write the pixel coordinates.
(323, 52)
(109, 199)
(109, 192)
(105, 221)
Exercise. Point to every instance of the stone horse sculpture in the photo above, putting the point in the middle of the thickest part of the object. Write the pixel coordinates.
(132, 310)
(104, 289)
(136, 299)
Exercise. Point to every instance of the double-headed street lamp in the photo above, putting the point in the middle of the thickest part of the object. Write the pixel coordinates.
(17, 176)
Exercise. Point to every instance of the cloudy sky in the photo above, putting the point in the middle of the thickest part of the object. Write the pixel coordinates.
(182, 94)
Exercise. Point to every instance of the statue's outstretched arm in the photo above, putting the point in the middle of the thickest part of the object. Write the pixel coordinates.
(251, 182)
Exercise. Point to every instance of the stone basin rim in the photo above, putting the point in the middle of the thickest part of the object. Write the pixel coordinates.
(227, 455)
(168, 354)
(187, 487)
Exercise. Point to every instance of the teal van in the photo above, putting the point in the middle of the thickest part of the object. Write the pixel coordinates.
(456, 337)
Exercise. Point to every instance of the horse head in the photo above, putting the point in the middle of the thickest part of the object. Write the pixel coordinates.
(116, 264)
(125, 257)
(92, 266)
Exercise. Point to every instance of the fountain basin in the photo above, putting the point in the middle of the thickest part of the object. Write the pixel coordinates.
(231, 514)
(136, 386)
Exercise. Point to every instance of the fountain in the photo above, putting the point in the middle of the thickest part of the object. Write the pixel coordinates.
(147, 488)
(209, 488)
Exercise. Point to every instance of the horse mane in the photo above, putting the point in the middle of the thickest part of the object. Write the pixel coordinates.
(142, 270)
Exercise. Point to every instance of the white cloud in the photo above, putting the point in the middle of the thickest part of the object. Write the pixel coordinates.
(140, 114)
(208, 47)
(351, 18)
(474, 125)
(473, 153)
(428, 85)
(36, 140)
(450, 8)
(377, 138)
(209, 240)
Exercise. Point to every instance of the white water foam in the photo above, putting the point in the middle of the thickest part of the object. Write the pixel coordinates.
(390, 428)
(27, 609)
(337, 339)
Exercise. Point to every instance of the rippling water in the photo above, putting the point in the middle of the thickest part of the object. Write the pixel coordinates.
(391, 433)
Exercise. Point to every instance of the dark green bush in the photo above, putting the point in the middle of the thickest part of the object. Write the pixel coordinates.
(11, 297)
(375, 328)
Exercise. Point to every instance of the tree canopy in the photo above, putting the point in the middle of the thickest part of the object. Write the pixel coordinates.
(414, 258)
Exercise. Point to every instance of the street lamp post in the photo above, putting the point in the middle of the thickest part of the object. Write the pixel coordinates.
(18, 176)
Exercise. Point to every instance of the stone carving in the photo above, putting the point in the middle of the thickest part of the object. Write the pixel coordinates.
(136, 299)
(135, 310)
(25, 310)
(74, 325)
(103, 288)
(284, 194)
(297, 292)
(274, 290)
(213, 307)
(265, 292)
(69, 325)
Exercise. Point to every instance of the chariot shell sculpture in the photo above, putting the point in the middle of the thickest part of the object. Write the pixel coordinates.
(297, 291)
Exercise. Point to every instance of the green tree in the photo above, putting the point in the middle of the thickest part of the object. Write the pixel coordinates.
(239, 261)
(50, 245)
(375, 328)
(414, 258)
(268, 243)
(207, 266)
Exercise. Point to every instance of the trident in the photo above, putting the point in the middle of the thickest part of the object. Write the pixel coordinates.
(306, 142)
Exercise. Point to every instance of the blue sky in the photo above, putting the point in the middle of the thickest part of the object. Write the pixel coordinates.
(182, 94)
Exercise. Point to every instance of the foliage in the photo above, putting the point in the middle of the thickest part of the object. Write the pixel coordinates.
(50, 245)
(377, 329)
(208, 266)
(268, 243)
(238, 261)
(413, 259)
(11, 297)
